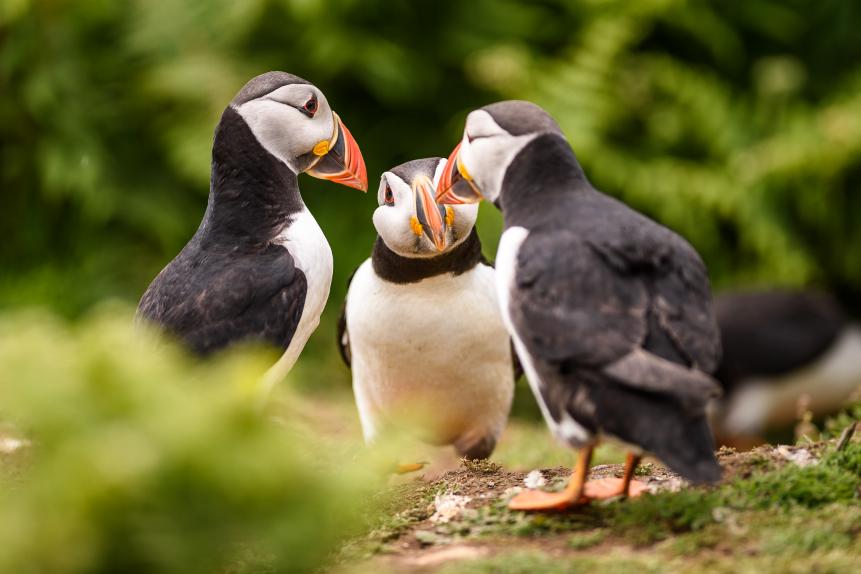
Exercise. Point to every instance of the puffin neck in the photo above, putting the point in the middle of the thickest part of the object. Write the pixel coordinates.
(395, 268)
(544, 168)
(252, 194)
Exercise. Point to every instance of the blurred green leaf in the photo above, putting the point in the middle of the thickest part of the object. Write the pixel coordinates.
(146, 461)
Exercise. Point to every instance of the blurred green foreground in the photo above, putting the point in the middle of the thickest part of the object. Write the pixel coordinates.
(145, 461)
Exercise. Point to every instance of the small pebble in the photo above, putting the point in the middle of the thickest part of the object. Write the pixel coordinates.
(534, 479)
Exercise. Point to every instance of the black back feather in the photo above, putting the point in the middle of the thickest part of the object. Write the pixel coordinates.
(230, 282)
(768, 333)
(599, 285)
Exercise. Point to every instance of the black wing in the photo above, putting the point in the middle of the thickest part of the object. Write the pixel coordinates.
(343, 333)
(634, 304)
(516, 365)
(681, 323)
(210, 300)
(768, 333)
(621, 332)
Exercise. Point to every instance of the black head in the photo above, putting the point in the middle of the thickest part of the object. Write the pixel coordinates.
(519, 117)
(264, 84)
(412, 169)
(492, 138)
(292, 120)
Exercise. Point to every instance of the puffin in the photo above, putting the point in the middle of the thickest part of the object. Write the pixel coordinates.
(610, 312)
(782, 347)
(259, 268)
(421, 328)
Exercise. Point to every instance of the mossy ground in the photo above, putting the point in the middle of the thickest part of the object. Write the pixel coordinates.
(770, 514)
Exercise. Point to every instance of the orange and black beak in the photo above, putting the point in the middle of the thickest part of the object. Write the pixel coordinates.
(431, 215)
(339, 159)
(455, 184)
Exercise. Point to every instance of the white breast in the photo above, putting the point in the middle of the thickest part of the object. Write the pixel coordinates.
(433, 356)
(567, 430)
(311, 253)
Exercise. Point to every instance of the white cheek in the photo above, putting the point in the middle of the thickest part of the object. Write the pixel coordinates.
(438, 171)
(487, 159)
(393, 225)
(464, 219)
(284, 131)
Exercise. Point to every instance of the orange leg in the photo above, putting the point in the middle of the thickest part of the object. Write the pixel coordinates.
(631, 462)
(406, 468)
(573, 495)
(604, 488)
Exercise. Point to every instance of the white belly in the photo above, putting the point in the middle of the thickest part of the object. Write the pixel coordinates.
(432, 356)
(567, 430)
(305, 241)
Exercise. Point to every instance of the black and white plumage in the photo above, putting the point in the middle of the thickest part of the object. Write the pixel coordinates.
(421, 327)
(259, 267)
(610, 312)
(780, 345)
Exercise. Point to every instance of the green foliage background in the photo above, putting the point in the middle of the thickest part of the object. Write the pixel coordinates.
(736, 123)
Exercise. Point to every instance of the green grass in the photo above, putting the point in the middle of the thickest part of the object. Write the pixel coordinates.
(653, 518)
(825, 539)
(587, 539)
(530, 562)
(527, 445)
(779, 519)
(834, 479)
(620, 561)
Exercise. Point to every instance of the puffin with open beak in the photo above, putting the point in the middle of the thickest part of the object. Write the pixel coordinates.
(259, 268)
(610, 312)
(421, 327)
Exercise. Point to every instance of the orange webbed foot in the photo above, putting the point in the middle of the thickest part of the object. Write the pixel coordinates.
(410, 467)
(605, 488)
(538, 500)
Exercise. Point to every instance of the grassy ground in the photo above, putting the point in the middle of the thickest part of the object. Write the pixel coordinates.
(779, 509)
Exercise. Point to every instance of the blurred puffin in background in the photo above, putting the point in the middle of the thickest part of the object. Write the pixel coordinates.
(259, 268)
(421, 328)
(610, 312)
(782, 349)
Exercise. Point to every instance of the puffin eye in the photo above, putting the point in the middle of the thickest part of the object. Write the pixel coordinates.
(389, 197)
(310, 106)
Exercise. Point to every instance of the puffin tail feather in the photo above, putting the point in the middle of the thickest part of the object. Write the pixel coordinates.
(670, 427)
(691, 454)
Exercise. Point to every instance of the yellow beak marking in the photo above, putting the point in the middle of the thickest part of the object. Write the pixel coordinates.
(462, 169)
(449, 215)
(416, 226)
(322, 148)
